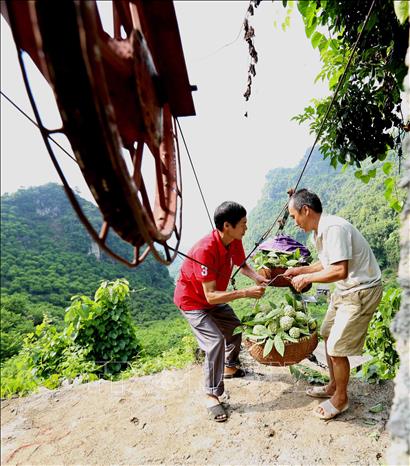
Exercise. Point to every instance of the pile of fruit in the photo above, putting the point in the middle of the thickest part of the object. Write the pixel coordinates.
(271, 324)
(272, 259)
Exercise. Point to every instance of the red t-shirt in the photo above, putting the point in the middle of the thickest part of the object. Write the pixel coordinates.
(210, 251)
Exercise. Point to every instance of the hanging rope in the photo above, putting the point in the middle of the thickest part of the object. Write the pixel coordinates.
(35, 124)
(339, 84)
(196, 177)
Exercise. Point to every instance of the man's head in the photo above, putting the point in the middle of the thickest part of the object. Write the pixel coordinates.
(231, 216)
(305, 208)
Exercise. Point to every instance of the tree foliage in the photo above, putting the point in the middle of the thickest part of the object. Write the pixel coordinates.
(365, 121)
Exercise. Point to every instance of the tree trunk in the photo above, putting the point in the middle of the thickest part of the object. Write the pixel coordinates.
(399, 422)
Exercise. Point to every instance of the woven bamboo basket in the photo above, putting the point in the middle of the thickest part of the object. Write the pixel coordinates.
(294, 352)
(275, 274)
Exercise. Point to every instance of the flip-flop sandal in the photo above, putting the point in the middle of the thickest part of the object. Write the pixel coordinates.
(330, 410)
(237, 374)
(217, 413)
(317, 392)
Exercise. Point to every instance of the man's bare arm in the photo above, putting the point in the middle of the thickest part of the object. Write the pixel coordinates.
(294, 271)
(333, 273)
(220, 297)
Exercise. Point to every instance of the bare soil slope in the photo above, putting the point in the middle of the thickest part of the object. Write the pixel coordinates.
(160, 419)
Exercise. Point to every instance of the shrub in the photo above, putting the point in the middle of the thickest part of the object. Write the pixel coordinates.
(104, 326)
(380, 343)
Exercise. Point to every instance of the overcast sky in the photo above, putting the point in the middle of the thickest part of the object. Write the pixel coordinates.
(231, 153)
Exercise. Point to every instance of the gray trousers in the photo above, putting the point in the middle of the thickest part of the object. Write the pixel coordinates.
(213, 329)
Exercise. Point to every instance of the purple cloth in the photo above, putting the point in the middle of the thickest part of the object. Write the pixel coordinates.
(284, 243)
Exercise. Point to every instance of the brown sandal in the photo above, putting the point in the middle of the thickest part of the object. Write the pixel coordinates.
(217, 413)
(238, 373)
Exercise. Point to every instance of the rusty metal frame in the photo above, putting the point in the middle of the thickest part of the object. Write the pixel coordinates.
(148, 230)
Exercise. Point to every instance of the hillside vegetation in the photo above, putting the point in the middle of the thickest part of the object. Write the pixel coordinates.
(47, 257)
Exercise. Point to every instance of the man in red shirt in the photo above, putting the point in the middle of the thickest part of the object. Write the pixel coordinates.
(200, 293)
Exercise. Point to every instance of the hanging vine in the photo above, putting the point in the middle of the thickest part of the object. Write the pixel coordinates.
(249, 35)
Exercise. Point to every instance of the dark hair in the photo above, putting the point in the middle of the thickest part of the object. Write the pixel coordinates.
(230, 212)
(304, 197)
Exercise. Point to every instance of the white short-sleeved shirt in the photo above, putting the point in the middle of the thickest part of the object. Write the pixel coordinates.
(337, 240)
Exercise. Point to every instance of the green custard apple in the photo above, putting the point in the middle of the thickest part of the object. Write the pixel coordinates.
(286, 322)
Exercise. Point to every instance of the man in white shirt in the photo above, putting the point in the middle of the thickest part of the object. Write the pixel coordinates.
(345, 258)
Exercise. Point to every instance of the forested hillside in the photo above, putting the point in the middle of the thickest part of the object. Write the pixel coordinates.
(48, 256)
(341, 193)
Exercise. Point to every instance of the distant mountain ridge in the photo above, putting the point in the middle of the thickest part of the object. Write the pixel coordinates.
(48, 255)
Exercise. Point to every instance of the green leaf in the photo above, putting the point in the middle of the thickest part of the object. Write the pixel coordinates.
(237, 330)
(279, 345)
(387, 167)
(372, 173)
(378, 408)
(389, 183)
(306, 373)
(260, 330)
(369, 422)
(273, 313)
(323, 44)
(316, 38)
(396, 205)
(401, 8)
(311, 27)
(289, 299)
(289, 338)
(333, 162)
(302, 7)
(292, 262)
(268, 347)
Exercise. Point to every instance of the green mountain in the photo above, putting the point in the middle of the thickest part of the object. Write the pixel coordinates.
(47, 255)
(342, 194)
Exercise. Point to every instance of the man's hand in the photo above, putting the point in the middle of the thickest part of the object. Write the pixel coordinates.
(293, 271)
(301, 281)
(262, 281)
(254, 292)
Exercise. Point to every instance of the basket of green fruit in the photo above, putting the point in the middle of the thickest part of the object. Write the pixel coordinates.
(273, 264)
(279, 335)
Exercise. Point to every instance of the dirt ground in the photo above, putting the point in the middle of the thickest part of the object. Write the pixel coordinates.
(160, 419)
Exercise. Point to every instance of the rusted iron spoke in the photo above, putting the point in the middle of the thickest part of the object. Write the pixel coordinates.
(176, 232)
(135, 16)
(104, 232)
(122, 18)
(167, 252)
(136, 162)
(116, 21)
(160, 185)
(145, 200)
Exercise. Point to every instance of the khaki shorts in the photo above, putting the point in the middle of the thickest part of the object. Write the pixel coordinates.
(346, 321)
